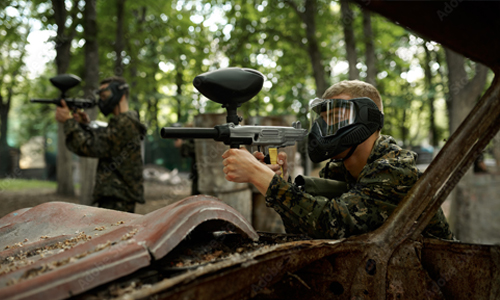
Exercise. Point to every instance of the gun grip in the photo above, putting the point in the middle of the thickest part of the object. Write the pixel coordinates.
(273, 157)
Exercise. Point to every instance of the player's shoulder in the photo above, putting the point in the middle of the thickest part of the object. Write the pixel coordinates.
(387, 151)
(392, 162)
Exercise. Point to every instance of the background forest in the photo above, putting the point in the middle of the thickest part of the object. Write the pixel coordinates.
(301, 46)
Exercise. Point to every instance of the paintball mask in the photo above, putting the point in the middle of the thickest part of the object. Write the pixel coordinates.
(110, 96)
(337, 125)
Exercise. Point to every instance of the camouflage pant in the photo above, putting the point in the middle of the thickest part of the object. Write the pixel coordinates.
(116, 204)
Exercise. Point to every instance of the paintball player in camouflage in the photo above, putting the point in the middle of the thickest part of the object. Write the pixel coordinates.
(368, 174)
(119, 181)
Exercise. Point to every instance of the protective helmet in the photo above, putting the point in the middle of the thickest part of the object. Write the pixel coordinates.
(338, 124)
(110, 96)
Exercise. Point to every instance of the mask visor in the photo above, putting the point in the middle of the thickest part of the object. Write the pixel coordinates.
(331, 114)
(104, 94)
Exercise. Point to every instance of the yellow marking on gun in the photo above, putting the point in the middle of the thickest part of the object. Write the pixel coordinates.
(273, 157)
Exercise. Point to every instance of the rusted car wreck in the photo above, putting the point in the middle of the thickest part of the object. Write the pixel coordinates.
(86, 250)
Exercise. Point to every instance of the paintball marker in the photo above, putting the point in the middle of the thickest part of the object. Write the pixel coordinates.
(65, 82)
(231, 87)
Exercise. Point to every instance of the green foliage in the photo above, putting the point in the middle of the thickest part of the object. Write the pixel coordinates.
(269, 36)
(168, 43)
(14, 30)
(164, 51)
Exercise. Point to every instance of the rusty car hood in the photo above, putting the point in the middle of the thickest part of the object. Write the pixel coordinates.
(56, 250)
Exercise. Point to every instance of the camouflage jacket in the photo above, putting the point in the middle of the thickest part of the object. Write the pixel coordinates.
(118, 148)
(384, 181)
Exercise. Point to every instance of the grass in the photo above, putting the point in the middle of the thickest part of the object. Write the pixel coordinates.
(21, 184)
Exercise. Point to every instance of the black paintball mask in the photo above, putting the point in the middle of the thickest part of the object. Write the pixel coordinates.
(110, 96)
(338, 124)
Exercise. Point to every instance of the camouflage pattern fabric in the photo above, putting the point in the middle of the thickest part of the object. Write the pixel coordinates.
(384, 181)
(118, 148)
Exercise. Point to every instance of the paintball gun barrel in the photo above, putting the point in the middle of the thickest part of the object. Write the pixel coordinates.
(65, 82)
(236, 135)
(231, 87)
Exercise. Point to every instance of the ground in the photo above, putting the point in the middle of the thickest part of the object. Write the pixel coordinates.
(157, 195)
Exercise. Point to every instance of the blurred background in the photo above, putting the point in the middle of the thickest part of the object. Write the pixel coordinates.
(301, 46)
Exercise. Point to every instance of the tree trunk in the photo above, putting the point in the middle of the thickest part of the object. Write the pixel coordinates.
(308, 17)
(140, 16)
(119, 43)
(63, 45)
(153, 111)
(63, 41)
(179, 82)
(4, 147)
(350, 42)
(314, 53)
(463, 94)
(64, 165)
(371, 71)
(88, 165)
(431, 92)
(404, 130)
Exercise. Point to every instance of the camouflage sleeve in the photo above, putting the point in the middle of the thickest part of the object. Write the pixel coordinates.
(321, 217)
(355, 212)
(103, 142)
